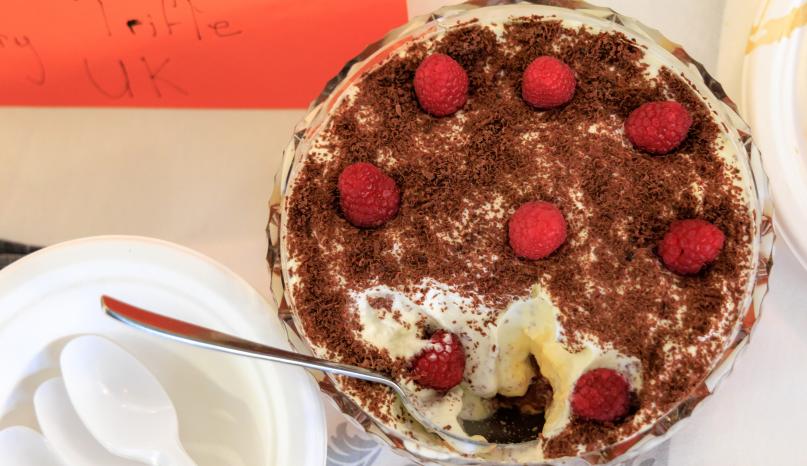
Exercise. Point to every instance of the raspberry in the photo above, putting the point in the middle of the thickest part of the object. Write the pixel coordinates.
(547, 82)
(442, 363)
(658, 127)
(441, 85)
(689, 245)
(536, 229)
(601, 395)
(367, 196)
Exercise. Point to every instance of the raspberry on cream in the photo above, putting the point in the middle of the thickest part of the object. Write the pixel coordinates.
(689, 245)
(441, 364)
(658, 127)
(441, 85)
(536, 230)
(367, 197)
(548, 83)
(601, 395)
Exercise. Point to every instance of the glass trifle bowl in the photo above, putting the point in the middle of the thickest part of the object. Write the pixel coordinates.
(530, 330)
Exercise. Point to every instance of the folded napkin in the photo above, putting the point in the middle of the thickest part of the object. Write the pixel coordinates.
(11, 251)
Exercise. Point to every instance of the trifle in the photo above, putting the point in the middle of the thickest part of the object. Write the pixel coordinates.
(533, 219)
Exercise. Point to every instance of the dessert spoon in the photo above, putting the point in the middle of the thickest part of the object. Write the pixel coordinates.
(21, 446)
(121, 402)
(64, 430)
(203, 337)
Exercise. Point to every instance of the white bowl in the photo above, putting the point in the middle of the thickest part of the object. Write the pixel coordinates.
(233, 411)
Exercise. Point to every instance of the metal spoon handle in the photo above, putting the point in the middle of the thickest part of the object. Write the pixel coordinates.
(204, 337)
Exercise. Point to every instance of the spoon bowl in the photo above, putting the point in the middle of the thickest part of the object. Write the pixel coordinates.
(64, 430)
(21, 446)
(121, 402)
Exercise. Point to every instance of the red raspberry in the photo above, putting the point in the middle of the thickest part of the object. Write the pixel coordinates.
(536, 229)
(547, 82)
(442, 363)
(441, 85)
(601, 395)
(367, 196)
(658, 127)
(689, 245)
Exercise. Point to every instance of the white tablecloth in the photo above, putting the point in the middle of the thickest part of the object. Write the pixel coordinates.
(202, 179)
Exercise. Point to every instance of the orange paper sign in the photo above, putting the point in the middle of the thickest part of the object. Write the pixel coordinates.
(182, 53)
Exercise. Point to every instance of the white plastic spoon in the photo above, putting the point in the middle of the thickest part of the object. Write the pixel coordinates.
(21, 446)
(65, 432)
(122, 404)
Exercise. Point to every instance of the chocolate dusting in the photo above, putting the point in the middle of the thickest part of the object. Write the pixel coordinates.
(462, 176)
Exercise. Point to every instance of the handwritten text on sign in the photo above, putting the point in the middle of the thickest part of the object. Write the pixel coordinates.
(182, 53)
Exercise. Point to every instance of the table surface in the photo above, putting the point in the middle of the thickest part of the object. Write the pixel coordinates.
(202, 178)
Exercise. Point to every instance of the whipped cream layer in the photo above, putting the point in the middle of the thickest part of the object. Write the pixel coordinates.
(602, 300)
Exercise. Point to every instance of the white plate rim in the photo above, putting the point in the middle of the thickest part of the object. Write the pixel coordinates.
(768, 97)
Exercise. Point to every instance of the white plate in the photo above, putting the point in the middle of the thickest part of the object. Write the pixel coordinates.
(232, 411)
(775, 101)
